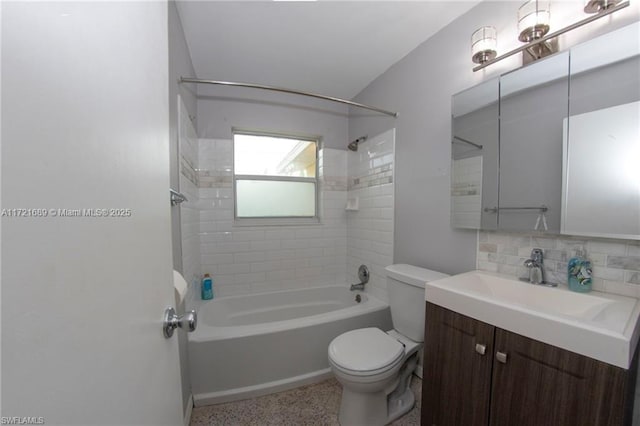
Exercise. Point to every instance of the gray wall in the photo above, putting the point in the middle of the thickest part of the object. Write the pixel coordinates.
(179, 65)
(419, 87)
(221, 108)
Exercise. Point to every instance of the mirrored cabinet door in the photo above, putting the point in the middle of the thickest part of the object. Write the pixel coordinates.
(474, 157)
(543, 149)
(601, 190)
(533, 106)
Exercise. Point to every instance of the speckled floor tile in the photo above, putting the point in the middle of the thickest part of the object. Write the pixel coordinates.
(312, 405)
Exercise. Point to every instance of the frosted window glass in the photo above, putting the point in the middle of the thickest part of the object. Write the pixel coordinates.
(256, 198)
(274, 156)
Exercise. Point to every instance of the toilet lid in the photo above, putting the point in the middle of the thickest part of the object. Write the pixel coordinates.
(365, 349)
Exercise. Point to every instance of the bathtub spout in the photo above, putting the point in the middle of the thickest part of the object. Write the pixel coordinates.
(359, 286)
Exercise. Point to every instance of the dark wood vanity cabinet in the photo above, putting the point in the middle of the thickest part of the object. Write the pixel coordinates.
(478, 374)
(455, 389)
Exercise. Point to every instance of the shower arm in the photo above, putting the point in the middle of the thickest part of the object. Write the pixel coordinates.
(291, 91)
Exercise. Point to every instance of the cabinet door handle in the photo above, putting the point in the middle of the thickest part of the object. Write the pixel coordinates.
(481, 349)
(501, 357)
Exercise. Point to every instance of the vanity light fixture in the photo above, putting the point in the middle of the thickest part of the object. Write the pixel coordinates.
(533, 27)
(533, 20)
(483, 44)
(533, 24)
(595, 6)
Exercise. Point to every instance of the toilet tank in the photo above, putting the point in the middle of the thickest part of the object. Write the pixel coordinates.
(405, 286)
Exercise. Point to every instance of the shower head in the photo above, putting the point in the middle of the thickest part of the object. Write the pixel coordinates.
(353, 146)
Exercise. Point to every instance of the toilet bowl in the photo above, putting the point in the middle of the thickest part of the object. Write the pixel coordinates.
(375, 367)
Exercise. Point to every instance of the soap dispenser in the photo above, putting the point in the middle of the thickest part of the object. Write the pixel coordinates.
(579, 273)
(207, 287)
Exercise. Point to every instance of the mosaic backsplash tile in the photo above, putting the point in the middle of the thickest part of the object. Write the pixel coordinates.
(379, 176)
(616, 263)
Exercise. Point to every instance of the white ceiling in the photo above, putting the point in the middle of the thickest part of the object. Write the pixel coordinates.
(334, 48)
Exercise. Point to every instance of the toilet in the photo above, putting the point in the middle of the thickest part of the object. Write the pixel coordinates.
(374, 366)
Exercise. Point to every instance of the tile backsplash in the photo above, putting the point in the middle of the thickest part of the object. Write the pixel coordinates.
(616, 263)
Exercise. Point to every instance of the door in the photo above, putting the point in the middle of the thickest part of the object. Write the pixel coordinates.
(457, 369)
(85, 128)
(568, 389)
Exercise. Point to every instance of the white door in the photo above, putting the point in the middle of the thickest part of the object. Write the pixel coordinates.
(85, 126)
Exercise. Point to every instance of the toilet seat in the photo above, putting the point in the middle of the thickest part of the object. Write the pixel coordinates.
(365, 352)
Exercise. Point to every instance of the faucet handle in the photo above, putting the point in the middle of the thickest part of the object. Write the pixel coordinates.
(537, 255)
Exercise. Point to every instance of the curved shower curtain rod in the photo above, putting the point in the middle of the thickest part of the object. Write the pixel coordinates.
(285, 90)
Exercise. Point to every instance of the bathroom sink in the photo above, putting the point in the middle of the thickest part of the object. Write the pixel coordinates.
(598, 325)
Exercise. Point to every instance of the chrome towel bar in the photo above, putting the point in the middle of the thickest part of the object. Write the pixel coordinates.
(542, 209)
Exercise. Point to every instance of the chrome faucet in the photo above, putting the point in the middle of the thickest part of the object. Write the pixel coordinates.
(363, 275)
(535, 265)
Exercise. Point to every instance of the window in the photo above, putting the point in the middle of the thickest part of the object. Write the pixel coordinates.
(274, 176)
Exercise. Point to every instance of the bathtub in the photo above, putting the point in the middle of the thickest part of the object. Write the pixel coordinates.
(246, 346)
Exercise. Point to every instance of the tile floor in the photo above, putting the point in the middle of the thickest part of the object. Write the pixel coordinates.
(312, 405)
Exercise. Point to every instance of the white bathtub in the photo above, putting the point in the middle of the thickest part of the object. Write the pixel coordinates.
(245, 346)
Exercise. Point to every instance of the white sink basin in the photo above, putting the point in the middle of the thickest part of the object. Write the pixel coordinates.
(597, 325)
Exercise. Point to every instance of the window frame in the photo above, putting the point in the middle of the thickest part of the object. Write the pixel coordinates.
(276, 220)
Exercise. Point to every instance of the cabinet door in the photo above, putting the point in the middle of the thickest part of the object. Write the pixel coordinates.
(457, 376)
(538, 384)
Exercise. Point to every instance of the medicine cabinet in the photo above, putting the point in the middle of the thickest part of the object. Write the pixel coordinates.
(545, 149)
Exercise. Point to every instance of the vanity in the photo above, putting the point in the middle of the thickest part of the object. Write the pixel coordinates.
(504, 352)
(550, 148)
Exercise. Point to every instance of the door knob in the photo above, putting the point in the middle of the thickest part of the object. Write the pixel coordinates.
(188, 321)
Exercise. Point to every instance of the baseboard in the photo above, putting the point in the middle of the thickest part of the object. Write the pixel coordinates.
(211, 398)
(188, 411)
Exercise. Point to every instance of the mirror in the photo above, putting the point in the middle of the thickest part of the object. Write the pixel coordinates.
(474, 157)
(559, 150)
(601, 150)
(533, 105)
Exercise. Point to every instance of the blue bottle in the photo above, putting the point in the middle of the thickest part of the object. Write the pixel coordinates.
(579, 273)
(207, 287)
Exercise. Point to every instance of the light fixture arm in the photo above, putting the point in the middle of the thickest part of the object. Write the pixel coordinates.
(554, 34)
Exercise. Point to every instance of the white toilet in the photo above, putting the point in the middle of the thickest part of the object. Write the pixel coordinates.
(375, 367)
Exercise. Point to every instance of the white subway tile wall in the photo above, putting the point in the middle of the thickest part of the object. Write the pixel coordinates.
(253, 259)
(370, 227)
(616, 263)
(189, 211)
